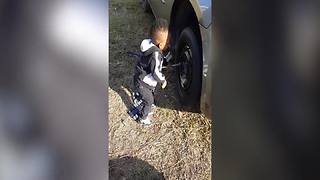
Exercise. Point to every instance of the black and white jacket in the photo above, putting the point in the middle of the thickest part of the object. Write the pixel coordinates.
(148, 69)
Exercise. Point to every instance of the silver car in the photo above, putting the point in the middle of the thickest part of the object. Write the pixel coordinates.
(191, 43)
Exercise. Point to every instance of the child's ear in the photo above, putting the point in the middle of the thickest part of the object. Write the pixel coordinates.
(161, 46)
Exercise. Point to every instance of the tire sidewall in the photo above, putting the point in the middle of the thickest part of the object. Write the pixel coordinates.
(191, 97)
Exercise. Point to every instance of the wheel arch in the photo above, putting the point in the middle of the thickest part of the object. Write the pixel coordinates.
(183, 14)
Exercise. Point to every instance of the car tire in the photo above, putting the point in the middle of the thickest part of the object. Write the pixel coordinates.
(189, 79)
(146, 6)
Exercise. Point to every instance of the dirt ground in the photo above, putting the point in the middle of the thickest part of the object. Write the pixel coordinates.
(178, 144)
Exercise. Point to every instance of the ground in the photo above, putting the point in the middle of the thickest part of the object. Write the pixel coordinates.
(178, 144)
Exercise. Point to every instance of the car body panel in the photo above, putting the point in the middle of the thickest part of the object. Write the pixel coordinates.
(206, 91)
(161, 8)
(202, 8)
(205, 17)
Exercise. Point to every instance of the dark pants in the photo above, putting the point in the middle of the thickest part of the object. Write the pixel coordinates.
(148, 98)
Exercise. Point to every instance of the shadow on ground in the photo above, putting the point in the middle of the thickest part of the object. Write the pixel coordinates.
(132, 168)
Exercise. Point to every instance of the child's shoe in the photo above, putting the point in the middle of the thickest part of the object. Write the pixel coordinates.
(145, 121)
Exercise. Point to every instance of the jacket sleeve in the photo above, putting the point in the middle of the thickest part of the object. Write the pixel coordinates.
(156, 66)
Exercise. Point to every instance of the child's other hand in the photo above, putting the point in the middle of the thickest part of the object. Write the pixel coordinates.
(164, 84)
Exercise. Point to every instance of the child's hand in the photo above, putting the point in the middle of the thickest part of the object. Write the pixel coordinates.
(164, 84)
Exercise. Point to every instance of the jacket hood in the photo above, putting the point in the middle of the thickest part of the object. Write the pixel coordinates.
(147, 47)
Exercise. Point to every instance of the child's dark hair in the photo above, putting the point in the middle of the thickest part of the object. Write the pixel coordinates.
(158, 25)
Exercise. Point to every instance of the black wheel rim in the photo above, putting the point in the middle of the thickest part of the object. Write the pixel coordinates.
(185, 69)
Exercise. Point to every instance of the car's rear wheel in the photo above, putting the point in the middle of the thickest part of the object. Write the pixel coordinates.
(189, 72)
(146, 6)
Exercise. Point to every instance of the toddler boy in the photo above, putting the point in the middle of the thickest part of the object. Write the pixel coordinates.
(148, 69)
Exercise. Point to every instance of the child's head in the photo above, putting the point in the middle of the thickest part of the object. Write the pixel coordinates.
(159, 33)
